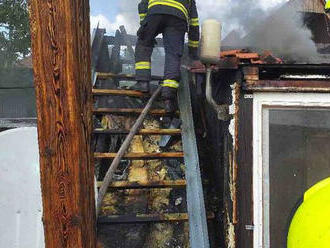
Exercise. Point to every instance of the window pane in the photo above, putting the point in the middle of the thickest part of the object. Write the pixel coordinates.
(299, 157)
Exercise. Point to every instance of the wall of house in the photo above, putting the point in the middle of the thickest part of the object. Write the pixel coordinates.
(316, 6)
(216, 140)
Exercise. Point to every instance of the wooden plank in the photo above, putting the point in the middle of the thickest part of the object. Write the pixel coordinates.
(141, 132)
(288, 85)
(115, 63)
(146, 185)
(96, 46)
(97, 40)
(198, 232)
(289, 67)
(116, 92)
(62, 74)
(128, 77)
(245, 179)
(143, 218)
(160, 155)
(146, 218)
(133, 39)
(123, 149)
(127, 41)
(122, 111)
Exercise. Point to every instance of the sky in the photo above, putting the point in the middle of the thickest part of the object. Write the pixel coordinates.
(113, 13)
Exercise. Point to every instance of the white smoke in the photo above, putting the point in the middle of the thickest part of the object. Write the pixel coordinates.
(128, 16)
(284, 34)
(264, 26)
(236, 14)
(129, 9)
(104, 22)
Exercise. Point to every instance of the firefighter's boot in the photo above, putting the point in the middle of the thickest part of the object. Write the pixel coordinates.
(142, 86)
(169, 95)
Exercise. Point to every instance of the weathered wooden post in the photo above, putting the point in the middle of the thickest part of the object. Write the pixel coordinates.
(61, 58)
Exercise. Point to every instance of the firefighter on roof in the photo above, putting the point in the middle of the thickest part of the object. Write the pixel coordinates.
(172, 18)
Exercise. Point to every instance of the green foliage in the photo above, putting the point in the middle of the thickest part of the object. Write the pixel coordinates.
(14, 31)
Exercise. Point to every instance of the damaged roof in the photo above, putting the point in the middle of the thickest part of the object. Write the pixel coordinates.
(313, 16)
(319, 24)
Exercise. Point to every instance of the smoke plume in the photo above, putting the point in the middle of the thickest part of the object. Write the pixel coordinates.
(273, 27)
(279, 29)
(285, 35)
(129, 10)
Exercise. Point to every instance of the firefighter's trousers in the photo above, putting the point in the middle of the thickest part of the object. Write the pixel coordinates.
(173, 30)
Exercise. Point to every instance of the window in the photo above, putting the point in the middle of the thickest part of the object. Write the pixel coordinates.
(291, 154)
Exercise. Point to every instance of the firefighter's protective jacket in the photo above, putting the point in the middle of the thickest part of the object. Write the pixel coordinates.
(184, 9)
(327, 7)
(310, 226)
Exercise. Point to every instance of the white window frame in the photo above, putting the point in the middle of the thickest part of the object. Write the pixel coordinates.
(261, 101)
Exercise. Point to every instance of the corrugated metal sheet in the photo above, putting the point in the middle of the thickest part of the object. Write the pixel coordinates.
(17, 103)
(17, 96)
(20, 194)
(16, 77)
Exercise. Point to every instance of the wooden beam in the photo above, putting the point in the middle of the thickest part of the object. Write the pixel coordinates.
(123, 149)
(288, 85)
(244, 230)
(142, 218)
(115, 65)
(133, 39)
(127, 41)
(62, 73)
(147, 218)
(127, 77)
(198, 232)
(141, 132)
(146, 185)
(116, 92)
(133, 111)
(141, 155)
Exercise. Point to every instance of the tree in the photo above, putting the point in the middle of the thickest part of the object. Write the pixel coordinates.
(14, 32)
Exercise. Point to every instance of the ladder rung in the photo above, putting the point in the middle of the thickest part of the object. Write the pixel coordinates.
(132, 93)
(142, 218)
(125, 111)
(146, 185)
(146, 218)
(128, 77)
(141, 132)
(141, 156)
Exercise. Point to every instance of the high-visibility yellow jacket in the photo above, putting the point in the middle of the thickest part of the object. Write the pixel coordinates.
(310, 227)
(327, 7)
(184, 9)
